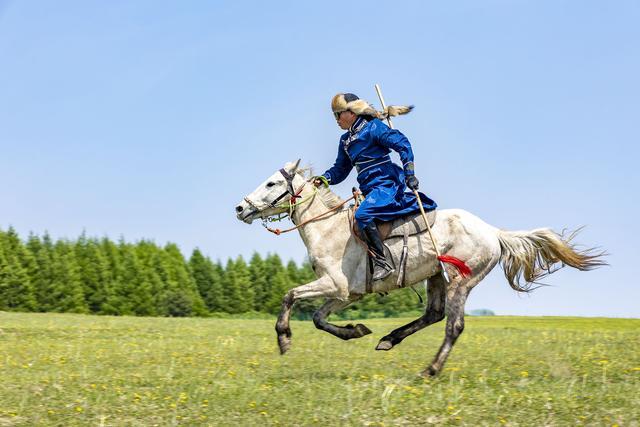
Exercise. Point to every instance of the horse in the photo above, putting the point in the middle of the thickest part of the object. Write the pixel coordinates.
(339, 259)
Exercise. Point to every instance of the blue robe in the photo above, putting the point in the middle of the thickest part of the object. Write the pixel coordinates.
(366, 146)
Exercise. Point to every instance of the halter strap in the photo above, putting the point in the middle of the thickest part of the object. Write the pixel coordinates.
(289, 178)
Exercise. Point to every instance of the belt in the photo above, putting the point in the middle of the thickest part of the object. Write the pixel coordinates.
(366, 164)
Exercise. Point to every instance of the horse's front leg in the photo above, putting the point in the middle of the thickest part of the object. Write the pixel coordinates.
(322, 287)
(344, 332)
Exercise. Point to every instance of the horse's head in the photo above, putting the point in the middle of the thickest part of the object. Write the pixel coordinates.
(272, 196)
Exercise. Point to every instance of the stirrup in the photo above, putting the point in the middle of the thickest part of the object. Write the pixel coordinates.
(381, 270)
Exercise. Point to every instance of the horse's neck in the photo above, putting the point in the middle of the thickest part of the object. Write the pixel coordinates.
(328, 226)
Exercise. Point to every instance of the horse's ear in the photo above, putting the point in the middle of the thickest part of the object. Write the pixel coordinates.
(295, 167)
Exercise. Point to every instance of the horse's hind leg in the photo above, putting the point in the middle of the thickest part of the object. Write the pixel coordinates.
(345, 332)
(455, 326)
(436, 295)
(457, 293)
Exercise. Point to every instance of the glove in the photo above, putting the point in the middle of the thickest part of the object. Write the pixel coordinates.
(412, 182)
(320, 180)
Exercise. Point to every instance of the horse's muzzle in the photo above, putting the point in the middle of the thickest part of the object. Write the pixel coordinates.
(244, 213)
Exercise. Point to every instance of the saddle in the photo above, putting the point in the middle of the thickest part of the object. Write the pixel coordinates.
(407, 225)
(403, 227)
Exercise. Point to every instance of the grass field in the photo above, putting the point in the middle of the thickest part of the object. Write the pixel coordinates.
(68, 370)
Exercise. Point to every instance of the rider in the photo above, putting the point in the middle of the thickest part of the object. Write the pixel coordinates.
(366, 146)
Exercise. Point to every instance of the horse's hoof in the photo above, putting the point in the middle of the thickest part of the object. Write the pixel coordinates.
(384, 345)
(429, 372)
(362, 330)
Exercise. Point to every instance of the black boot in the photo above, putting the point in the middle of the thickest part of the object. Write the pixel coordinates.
(381, 268)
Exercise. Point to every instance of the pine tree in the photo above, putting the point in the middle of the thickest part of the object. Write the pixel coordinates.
(148, 256)
(258, 277)
(292, 272)
(94, 272)
(207, 279)
(306, 273)
(216, 297)
(278, 283)
(237, 287)
(42, 276)
(181, 297)
(15, 292)
(111, 301)
(135, 288)
(65, 290)
(16, 289)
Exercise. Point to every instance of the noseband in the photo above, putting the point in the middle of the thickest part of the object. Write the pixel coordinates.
(290, 191)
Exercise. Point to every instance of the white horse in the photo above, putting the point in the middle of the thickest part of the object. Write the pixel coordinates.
(340, 260)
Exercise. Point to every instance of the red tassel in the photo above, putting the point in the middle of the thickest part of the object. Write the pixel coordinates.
(275, 231)
(460, 265)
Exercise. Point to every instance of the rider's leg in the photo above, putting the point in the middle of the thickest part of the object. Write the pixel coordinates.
(381, 268)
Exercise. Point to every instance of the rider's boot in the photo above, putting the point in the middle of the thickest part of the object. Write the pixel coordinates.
(381, 268)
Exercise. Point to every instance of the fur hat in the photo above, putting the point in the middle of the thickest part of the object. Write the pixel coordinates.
(350, 102)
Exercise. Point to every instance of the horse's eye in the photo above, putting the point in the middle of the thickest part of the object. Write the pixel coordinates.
(270, 184)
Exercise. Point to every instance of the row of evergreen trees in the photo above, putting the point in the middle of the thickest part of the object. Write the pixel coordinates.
(99, 276)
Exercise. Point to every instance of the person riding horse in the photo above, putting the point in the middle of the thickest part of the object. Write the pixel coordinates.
(366, 146)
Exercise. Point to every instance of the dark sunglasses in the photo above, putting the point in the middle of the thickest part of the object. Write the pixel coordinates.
(337, 115)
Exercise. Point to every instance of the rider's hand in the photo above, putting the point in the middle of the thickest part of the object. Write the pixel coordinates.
(320, 180)
(412, 182)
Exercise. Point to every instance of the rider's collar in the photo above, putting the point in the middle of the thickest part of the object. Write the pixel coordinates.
(357, 125)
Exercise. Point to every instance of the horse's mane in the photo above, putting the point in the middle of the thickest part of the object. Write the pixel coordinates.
(330, 199)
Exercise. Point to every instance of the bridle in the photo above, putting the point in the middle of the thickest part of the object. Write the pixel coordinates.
(289, 192)
(292, 204)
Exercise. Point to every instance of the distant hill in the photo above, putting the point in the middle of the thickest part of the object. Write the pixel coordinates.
(481, 312)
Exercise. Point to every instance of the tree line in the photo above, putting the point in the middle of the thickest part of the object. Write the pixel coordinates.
(100, 276)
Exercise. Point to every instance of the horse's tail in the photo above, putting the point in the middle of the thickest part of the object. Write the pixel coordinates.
(532, 255)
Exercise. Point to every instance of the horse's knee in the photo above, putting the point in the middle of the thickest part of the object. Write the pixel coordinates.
(282, 324)
(455, 326)
(282, 327)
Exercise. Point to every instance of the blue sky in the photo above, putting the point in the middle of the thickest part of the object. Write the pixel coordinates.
(153, 119)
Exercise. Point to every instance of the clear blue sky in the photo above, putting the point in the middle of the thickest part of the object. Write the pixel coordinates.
(153, 119)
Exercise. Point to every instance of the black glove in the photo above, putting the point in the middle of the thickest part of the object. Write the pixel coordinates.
(412, 182)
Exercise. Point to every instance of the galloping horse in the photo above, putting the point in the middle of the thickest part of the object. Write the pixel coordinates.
(339, 260)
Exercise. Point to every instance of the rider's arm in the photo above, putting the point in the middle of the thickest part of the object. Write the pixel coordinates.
(341, 168)
(394, 140)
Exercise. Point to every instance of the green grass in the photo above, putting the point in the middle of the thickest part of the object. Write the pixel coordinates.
(67, 370)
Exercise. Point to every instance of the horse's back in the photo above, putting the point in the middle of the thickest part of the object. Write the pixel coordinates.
(463, 225)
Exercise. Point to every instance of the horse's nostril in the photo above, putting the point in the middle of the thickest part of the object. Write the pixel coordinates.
(238, 208)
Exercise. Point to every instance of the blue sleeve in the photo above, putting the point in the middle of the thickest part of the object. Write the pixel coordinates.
(340, 169)
(394, 140)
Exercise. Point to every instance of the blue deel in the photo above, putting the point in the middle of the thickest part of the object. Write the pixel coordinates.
(366, 146)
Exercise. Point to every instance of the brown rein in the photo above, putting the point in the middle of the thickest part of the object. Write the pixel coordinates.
(278, 232)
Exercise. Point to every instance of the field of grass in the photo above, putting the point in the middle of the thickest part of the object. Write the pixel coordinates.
(73, 370)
